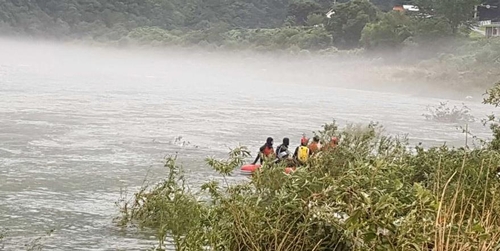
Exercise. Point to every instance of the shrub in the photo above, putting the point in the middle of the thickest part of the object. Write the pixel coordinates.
(371, 192)
(443, 113)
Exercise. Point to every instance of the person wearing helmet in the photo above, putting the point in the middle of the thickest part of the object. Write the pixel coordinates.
(334, 141)
(282, 150)
(265, 151)
(314, 146)
(302, 152)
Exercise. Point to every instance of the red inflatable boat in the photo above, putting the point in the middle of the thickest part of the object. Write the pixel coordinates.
(250, 168)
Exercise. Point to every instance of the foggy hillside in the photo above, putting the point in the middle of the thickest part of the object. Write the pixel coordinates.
(392, 47)
(239, 67)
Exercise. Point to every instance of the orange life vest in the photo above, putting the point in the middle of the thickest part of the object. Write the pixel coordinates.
(313, 147)
(268, 151)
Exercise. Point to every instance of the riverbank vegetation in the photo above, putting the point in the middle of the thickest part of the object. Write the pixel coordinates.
(371, 192)
(2, 236)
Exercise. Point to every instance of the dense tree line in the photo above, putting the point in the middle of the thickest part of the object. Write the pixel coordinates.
(236, 23)
(77, 15)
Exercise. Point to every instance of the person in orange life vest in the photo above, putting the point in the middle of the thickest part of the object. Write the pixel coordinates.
(302, 152)
(332, 144)
(265, 151)
(314, 146)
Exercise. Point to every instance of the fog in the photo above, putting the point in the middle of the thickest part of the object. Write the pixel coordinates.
(304, 69)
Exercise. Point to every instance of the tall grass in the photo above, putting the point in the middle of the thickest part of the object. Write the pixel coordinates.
(369, 193)
(2, 237)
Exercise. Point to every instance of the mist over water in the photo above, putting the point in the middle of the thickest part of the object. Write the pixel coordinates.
(79, 124)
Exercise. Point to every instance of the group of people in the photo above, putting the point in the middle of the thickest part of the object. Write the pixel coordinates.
(301, 155)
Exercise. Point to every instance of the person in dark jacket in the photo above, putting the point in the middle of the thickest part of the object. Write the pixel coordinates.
(265, 151)
(282, 151)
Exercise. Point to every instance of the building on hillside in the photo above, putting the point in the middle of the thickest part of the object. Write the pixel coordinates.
(412, 10)
(398, 8)
(492, 30)
(487, 12)
(405, 8)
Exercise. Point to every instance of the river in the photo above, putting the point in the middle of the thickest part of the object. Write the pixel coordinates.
(77, 126)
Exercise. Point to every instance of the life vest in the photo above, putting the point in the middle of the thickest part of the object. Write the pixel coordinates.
(303, 154)
(313, 147)
(334, 142)
(333, 145)
(268, 151)
(330, 145)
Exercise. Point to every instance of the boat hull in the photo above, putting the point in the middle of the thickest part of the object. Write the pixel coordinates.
(249, 169)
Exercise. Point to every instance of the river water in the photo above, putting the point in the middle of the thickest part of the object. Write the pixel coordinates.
(77, 126)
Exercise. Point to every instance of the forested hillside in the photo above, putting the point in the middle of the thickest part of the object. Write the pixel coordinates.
(76, 15)
(259, 24)
(114, 19)
(168, 14)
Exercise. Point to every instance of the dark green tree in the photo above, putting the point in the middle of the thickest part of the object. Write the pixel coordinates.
(301, 11)
(349, 20)
(389, 32)
(455, 12)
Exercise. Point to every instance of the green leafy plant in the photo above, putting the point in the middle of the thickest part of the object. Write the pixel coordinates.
(2, 237)
(371, 193)
(493, 98)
